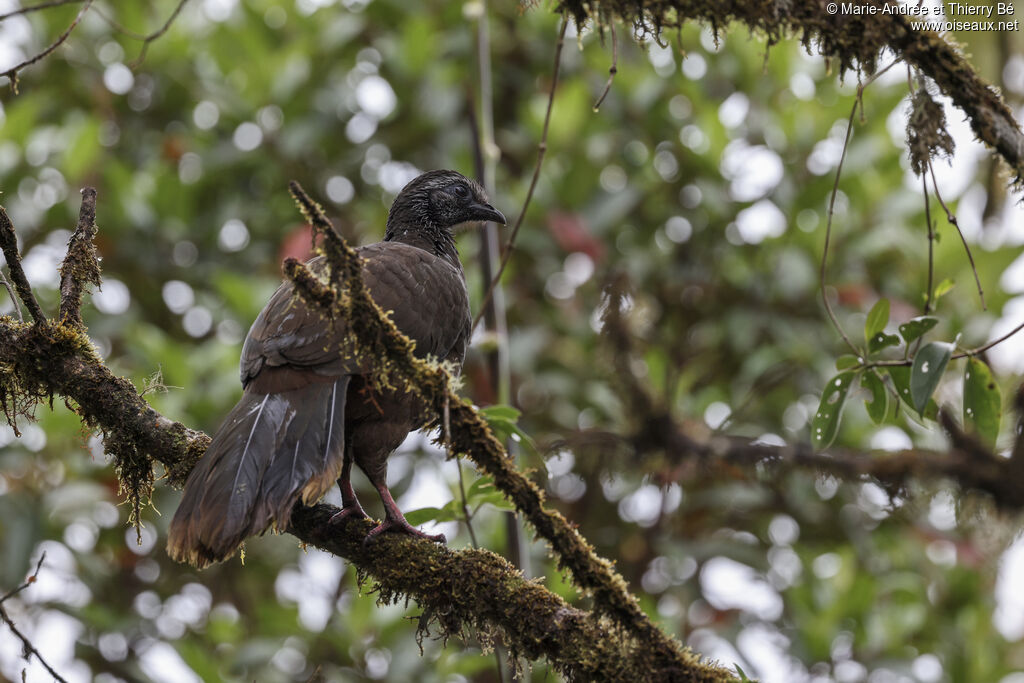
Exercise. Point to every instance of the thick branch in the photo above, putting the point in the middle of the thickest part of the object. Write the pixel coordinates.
(853, 40)
(462, 588)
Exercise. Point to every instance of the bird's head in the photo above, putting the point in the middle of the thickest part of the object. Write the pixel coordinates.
(441, 200)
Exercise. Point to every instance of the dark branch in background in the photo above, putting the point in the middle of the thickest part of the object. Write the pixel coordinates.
(12, 73)
(542, 148)
(621, 643)
(855, 41)
(969, 464)
(28, 649)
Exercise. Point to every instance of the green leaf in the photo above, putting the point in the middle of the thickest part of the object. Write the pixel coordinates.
(422, 516)
(825, 424)
(882, 340)
(929, 364)
(942, 288)
(878, 406)
(901, 379)
(847, 361)
(502, 420)
(878, 318)
(983, 403)
(500, 413)
(912, 329)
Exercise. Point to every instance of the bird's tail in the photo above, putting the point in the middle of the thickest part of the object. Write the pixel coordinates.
(271, 450)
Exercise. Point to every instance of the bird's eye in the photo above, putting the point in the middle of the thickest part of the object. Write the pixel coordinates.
(461, 191)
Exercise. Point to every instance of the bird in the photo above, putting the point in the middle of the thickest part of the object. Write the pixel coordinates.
(308, 410)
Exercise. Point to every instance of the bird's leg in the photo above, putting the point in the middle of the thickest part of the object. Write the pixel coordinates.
(394, 520)
(350, 506)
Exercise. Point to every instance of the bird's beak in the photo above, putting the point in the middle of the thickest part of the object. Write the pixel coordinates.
(486, 212)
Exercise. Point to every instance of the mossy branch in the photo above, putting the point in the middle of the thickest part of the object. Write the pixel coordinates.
(389, 352)
(457, 589)
(854, 41)
(80, 266)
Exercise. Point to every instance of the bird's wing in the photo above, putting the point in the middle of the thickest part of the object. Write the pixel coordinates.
(290, 345)
(425, 296)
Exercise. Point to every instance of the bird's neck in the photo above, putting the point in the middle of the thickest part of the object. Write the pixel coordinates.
(438, 241)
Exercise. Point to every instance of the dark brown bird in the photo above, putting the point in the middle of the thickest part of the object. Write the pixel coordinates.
(307, 412)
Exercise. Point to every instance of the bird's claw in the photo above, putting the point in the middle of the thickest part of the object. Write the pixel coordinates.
(355, 510)
(401, 526)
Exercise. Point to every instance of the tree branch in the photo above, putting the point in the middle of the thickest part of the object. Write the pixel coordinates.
(12, 73)
(28, 649)
(464, 588)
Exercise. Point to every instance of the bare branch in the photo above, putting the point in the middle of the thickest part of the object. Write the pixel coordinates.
(40, 6)
(27, 647)
(12, 73)
(147, 39)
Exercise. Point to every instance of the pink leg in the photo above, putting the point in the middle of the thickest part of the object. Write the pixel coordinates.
(350, 506)
(394, 520)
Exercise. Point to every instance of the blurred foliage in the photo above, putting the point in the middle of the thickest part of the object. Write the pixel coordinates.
(703, 180)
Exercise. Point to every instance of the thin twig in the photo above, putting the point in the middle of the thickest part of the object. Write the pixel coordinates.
(28, 582)
(9, 245)
(614, 69)
(952, 220)
(36, 8)
(134, 64)
(28, 649)
(12, 73)
(14, 299)
(465, 505)
(931, 246)
(832, 202)
(542, 147)
(828, 229)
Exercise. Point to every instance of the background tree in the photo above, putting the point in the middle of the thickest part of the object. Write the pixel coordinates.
(664, 290)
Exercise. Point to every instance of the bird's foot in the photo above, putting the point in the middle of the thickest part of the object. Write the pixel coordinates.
(353, 510)
(401, 526)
